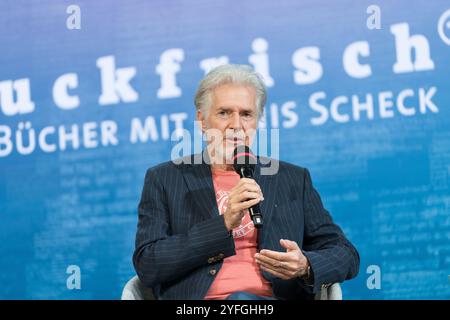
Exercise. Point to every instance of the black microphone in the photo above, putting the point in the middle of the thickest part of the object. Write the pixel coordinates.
(244, 162)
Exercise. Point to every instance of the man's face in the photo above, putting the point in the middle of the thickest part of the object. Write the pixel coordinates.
(231, 120)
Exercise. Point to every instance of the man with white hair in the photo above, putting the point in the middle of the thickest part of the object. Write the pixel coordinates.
(195, 239)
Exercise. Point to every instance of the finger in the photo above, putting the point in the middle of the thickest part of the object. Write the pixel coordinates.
(248, 187)
(247, 180)
(289, 266)
(282, 270)
(266, 260)
(239, 202)
(248, 183)
(289, 245)
(237, 195)
(281, 256)
(246, 195)
(275, 263)
(236, 208)
(243, 183)
(275, 273)
(247, 204)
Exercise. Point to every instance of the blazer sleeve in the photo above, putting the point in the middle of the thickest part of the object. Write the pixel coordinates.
(160, 256)
(331, 256)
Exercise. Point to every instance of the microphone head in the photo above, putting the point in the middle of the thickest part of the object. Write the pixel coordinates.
(243, 157)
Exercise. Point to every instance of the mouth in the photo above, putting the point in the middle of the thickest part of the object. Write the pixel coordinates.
(235, 140)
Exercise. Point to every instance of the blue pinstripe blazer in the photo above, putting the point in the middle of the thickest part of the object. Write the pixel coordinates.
(181, 238)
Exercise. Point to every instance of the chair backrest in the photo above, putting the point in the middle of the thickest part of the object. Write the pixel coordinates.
(333, 292)
(135, 290)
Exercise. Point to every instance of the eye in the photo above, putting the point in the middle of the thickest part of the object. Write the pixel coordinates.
(223, 113)
(247, 115)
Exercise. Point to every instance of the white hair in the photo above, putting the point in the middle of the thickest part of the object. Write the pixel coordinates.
(238, 74)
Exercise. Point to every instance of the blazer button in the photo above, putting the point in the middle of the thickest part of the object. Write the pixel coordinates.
(221, 255)
(213, 272)
(211, 260)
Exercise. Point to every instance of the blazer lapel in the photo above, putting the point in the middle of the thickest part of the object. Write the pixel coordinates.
(269, 187)
(198, 178)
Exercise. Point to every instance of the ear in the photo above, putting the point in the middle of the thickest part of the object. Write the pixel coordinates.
(201, 121)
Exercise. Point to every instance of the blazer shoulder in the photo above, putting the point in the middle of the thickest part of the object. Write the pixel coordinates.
(283, 166)
(292, 167)
(171, 167)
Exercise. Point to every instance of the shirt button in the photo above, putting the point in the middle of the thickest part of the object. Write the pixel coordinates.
(213, 272)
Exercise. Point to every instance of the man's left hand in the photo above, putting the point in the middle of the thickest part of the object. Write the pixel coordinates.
(285, 265)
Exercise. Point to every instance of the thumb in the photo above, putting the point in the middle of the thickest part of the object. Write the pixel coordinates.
(289, 245)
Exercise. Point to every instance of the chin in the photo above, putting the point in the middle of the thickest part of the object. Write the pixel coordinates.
(229, 154)
(225, 151)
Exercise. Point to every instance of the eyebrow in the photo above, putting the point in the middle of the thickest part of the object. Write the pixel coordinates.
(225, 108)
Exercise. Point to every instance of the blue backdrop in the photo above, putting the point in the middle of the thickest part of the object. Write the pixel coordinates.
(90, 95)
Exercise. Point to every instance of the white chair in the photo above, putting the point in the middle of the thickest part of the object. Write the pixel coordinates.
(135, 290)
(333, 292)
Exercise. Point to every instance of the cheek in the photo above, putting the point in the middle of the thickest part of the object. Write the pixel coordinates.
(219, 124)
(251, 124)
(250, 130)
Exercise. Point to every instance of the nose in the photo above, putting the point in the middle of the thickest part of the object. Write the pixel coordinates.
(235, 122)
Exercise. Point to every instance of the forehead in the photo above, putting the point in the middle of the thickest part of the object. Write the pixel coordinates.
(232, 95)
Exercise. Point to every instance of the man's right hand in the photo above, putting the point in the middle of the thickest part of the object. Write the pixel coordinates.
(246, 193)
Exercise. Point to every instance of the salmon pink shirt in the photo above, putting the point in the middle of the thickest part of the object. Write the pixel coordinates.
(239, 272)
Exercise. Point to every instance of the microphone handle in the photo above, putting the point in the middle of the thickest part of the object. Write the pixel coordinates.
(254, 211)
(255, 214)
